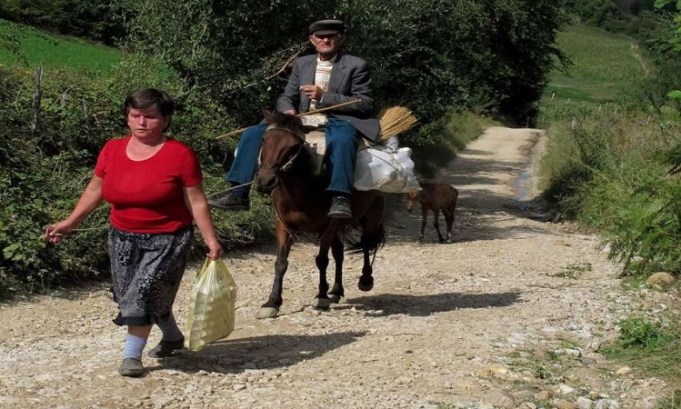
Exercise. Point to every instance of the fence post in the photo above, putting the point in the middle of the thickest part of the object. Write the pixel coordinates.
(37, 96)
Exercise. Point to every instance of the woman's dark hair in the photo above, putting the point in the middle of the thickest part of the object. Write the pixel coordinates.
(149, 98)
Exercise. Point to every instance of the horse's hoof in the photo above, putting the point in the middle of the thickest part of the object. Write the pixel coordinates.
(336, 299)
(322, 304)
(267, 312)
(365, 285)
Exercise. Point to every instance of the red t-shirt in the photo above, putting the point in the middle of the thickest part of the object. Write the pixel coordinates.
(147, 196)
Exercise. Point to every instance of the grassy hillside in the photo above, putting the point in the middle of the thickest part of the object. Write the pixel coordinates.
(27, 47)
(604, 66)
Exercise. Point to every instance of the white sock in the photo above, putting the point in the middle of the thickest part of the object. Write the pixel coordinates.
(134, 346)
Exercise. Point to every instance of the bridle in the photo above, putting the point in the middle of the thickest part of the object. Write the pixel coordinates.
(289, 163)
(285, 167)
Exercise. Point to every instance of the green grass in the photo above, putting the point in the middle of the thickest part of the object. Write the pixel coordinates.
(654, 350)
(29, 48)
(604, 66)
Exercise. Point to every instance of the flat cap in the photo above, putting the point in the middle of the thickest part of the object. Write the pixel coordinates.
(327, 27)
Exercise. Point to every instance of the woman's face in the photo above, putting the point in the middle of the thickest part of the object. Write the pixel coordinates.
(147, 124)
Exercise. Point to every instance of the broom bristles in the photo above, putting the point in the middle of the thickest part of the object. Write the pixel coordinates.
(394, 121)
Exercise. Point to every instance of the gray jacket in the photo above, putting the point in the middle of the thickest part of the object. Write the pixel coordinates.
(349, 80)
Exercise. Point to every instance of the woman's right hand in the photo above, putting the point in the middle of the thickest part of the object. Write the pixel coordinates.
(215, 250)
(54, 233)
(89, 200)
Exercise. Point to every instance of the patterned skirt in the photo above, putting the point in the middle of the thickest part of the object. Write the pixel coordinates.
(147, 270)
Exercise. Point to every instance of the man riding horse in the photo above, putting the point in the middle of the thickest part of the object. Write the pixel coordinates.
(320, 80)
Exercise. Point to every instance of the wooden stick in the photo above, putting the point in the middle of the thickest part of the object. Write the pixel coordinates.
(342, 104)
(354, 101)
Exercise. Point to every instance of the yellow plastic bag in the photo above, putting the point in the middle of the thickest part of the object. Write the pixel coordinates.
(212, 306)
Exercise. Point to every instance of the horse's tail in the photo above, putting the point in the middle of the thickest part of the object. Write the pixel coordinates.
(369, 241)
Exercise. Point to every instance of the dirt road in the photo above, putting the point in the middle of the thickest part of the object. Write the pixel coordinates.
(510, 314)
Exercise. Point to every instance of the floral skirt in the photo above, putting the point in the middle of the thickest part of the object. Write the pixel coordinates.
(147, 270)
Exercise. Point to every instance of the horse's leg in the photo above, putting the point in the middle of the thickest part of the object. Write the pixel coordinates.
(322, 261)
(338, 292)
(424, 218)
(372, 238)
(284, 241)
(449, 216)
(436, 224)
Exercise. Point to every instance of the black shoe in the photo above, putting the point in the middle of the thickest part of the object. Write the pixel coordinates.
(166, 348)
(231, 201)
(340, 208)
(131, 367)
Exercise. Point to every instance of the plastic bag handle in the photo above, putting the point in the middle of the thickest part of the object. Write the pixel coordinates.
(204, 268)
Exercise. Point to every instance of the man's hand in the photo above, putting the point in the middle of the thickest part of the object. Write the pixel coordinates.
(312, 91)
(289, 112)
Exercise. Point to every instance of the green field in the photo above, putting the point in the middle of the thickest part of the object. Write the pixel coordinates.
(29, 48)
(604, 65)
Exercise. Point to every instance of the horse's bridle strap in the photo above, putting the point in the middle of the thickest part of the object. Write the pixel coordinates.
(286, 166)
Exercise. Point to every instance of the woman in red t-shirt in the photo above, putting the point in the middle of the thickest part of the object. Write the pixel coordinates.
(153, 185)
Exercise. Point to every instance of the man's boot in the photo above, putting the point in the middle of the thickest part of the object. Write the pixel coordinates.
(233, 199)
(340, 208)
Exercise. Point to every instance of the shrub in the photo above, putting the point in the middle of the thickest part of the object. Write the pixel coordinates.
(641, 333)
(43, 173)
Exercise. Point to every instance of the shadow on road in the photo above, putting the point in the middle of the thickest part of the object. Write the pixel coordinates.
(263, 352)
(424, 305)
(472, 223)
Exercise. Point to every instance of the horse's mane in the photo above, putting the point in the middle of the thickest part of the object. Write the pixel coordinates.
(291, 122)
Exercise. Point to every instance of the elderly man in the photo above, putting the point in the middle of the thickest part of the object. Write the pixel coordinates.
(317, 81)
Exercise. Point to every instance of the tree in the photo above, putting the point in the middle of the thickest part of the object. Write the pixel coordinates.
(674, 155)
(430, 54)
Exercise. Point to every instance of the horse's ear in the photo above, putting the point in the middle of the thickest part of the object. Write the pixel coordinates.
(269, 116)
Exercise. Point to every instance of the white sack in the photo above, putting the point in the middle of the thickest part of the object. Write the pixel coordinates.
(386, 168)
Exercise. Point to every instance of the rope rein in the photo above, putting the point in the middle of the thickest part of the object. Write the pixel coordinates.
(106, 227)
(212, 195)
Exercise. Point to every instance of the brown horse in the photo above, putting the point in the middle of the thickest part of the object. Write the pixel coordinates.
(435, 197)
(302, 203)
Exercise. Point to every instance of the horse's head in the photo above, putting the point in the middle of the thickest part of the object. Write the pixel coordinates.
(412, 199)
(282, 145)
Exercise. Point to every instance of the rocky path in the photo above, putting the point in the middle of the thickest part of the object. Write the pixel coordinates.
(511, 314)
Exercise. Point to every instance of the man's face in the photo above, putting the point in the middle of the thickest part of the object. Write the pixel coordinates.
(326, 44)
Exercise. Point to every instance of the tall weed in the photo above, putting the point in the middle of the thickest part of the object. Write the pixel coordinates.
(653, 348)
(606, 168)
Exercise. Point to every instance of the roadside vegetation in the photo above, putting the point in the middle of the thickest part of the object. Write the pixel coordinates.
(611, 150)
(612, 165)
(654, 348)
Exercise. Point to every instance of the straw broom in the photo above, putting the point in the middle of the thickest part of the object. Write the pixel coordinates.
(394, 121)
